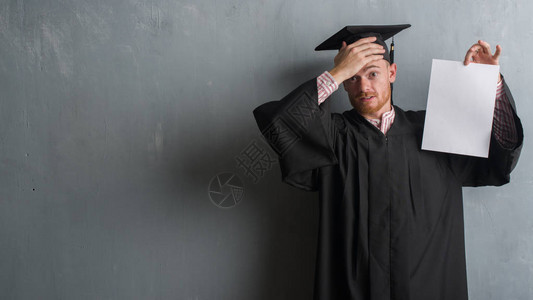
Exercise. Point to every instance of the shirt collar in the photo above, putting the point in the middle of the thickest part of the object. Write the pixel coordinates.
(386, 121)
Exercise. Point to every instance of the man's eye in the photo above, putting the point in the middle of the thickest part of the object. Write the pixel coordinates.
(373, 74)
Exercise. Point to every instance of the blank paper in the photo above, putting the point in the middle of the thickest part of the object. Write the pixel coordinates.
(460, 108)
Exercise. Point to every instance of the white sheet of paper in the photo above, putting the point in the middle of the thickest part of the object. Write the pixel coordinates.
(460, 108)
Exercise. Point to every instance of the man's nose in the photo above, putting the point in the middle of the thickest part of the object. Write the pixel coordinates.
(364, 84)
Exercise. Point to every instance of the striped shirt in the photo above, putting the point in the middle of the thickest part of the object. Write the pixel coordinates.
(503, 125)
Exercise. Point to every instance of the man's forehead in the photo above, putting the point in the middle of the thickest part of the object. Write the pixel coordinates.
(381, 64)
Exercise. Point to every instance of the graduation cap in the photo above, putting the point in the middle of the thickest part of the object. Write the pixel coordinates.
(351, 34)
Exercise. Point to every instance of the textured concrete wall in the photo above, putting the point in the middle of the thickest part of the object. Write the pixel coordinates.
(116, 117)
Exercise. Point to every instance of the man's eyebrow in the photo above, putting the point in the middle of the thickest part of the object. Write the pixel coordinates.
(370, 67)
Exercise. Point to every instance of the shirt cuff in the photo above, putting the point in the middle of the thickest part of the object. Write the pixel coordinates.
(503, 125)
(326, 85)
(499, 89)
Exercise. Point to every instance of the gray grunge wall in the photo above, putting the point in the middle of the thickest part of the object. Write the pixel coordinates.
(124, 126)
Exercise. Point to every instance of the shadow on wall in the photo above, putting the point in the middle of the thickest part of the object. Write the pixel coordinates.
(285, 220)
(206, 157)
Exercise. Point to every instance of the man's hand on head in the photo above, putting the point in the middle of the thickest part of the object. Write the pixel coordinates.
(352, 58)
(480, 53)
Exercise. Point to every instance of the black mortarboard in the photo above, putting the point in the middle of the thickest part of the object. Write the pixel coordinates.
(351, 34)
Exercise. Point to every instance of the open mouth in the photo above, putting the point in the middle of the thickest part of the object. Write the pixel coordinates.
(366, 98)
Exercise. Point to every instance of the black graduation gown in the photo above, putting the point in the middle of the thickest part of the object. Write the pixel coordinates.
(391, 215)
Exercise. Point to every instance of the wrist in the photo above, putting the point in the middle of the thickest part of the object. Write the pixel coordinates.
(338, 75)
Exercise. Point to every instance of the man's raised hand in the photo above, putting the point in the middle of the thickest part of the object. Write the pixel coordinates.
(480, 53)
(352, 58)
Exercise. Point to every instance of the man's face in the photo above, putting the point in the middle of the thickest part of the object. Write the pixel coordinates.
(369, 90)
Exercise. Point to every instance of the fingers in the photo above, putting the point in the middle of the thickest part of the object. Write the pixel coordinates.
(363, 41)
(361, 48)
(372, 58)
(468, 57)
(365, 47)
(490, 59)
(364, 44)
(485, 47)
(498, 52)
(342, 46)
(470, 53)
(481, 53)
(364, 50)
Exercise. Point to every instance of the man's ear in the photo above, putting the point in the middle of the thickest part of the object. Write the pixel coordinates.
(392, 72)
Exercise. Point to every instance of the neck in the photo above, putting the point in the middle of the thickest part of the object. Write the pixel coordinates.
(378, 114)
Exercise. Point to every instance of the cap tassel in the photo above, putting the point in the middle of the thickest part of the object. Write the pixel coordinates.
(391, 54)
(392, 51)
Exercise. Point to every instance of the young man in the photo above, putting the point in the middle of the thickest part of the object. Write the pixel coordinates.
(391, 215)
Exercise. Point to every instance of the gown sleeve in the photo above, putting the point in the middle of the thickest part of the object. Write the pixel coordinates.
(496, 169)
(300, 131)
